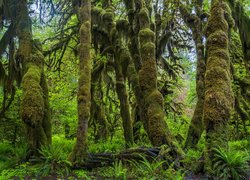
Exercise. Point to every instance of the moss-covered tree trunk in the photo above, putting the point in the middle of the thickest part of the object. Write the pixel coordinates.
(34, 105)
(98, 117)
(157, 128)
(78, 155)
(194, 22)
(121, 89)
(218, 93)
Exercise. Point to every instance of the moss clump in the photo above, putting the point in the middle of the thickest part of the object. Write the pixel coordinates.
(32, 101)
(146, 35)
(122, 25)
(147, 77)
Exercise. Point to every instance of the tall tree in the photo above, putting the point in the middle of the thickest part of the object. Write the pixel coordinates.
(34, 106)
(83, 9)
(156, 127)
(218, 92)
(194, 22)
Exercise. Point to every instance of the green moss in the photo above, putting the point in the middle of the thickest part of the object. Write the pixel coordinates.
(217, 40)
(228, 14)
(32, 101)
(147, 77)
(108, 17)
(96, 15)
(144, 18)
(146, 35)
(148, 51)
(122, 25)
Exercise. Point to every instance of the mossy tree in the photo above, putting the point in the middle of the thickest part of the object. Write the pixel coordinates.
(116, 49)
(218, 93)
(98, 116)
(79, 152)
(242, 22)
(156, 127)
(34, 105)
(240, 85)
(121, 89)
(195, 23)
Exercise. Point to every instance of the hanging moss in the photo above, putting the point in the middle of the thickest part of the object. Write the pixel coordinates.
(144, 18)
(96, 15)
(122, 25)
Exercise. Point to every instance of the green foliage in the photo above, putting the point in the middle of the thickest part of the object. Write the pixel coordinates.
(22, 171)
(65, 144)
(82, 174)
(148, 169)
(239, 145)
(191, 160)
(10, 156)
(113, 145)
(117, 171)
(53, 161)
(155, 169)
(229, 164)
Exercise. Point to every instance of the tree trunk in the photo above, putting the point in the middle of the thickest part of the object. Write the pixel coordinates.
(157, 128)
(121, 90)
(218, 93)
(78, 155)
(34, 105)
(194, 22)
(98, 116)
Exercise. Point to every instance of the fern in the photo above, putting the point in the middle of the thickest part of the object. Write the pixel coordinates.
(230, 164)
(53, 161)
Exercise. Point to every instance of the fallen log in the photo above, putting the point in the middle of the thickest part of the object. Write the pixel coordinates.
(95, 160)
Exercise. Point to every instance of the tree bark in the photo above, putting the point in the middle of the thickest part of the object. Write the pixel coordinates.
(78, 155)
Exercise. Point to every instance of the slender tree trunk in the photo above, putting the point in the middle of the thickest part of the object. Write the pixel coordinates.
(78, 155)
(98, 117)
(218, 93)
(121, 90)
(194, 22)
(34, 105)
